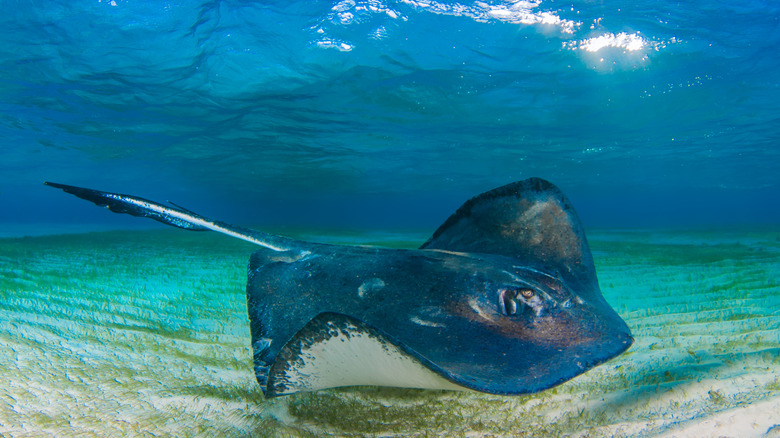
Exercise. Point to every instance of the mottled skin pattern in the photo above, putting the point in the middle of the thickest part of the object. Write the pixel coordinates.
(502, 299)
(444, 307)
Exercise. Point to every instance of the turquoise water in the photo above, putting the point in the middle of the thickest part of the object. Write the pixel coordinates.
(355, 122)
(642, 112)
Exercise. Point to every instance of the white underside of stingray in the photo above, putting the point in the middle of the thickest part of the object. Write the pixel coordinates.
(352, 356)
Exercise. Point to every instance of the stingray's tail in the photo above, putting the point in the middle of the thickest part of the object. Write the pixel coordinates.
(173, 215)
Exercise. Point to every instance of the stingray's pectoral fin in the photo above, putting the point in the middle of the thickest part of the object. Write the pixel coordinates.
(171, 215)
(531, 221)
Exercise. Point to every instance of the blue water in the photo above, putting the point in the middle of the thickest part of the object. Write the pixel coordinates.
(384, 113)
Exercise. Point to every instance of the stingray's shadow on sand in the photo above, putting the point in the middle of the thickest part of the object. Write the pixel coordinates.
(646, 382)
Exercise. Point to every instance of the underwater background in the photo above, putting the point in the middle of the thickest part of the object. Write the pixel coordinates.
(370, 122)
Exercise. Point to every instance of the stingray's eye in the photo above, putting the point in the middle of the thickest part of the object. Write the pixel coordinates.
(507, 301)
(527, 293)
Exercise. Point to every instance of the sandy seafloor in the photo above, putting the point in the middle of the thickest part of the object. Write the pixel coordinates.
(144, 333)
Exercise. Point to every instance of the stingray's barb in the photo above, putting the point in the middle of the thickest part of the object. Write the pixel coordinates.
(172, 215)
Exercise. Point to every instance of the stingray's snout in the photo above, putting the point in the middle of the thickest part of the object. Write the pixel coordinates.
(625, 338)
(612, 345)
(608, 335)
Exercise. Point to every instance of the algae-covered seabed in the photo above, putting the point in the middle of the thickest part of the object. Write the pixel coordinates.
(145, 333)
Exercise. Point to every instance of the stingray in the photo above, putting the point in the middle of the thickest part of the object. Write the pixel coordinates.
(502, 299)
